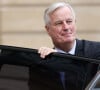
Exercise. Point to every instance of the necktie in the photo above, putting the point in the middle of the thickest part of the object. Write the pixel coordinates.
(62, 77)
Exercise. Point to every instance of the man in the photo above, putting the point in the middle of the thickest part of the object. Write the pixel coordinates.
(57, 73)
(60, 24)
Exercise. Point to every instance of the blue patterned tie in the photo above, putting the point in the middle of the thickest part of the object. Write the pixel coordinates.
(62, 77)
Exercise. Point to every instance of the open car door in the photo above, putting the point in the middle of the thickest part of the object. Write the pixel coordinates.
(95, 83)
(44, 73)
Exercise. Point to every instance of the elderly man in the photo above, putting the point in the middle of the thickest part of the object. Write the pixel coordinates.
(60, 24)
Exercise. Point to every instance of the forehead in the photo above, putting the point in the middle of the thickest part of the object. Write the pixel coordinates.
(61, 13)
(64, 8)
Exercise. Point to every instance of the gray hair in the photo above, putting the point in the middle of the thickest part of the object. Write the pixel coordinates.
(53, 8)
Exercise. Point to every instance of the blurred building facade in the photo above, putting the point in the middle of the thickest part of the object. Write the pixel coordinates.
(21, 21)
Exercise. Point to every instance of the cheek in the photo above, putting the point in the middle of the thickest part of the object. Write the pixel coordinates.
(54, 34)
(52, 31)
(73, 29)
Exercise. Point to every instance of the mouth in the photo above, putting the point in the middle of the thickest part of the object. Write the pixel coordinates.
(67, 33)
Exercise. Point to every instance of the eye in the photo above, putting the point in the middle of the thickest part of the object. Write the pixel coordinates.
(58, 23)
(69, 21)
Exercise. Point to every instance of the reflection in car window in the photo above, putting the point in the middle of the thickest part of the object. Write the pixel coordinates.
(95, 83)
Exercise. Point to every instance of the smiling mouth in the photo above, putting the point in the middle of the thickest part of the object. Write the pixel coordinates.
(67, 34)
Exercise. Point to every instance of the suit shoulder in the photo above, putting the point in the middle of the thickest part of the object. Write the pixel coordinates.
(92, 48)
(91, 43)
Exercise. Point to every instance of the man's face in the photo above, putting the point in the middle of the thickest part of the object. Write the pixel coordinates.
(62, 28)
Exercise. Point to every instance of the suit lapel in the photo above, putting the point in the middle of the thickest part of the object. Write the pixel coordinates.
(79, 48)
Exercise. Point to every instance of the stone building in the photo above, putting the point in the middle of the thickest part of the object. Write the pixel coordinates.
(21, 21)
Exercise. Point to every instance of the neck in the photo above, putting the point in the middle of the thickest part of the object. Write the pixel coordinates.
(65, 46)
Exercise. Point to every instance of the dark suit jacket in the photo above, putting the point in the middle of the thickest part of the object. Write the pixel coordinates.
(78, 73)
(44, 74)
(88, 49)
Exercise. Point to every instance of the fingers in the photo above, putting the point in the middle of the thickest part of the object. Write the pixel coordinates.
(44, 51)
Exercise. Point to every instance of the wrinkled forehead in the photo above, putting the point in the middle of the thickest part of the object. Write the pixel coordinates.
(62, 9)
(62, 12)
(49, 11)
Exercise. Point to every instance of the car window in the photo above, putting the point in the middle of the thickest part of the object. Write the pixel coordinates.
(95, 82)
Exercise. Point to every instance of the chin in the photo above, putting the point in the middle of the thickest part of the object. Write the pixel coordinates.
(70, 40)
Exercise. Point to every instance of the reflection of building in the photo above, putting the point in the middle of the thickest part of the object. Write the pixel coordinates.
(21, 21)
(14, 78)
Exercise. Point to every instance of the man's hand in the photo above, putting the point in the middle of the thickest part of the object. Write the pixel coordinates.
(44, 51)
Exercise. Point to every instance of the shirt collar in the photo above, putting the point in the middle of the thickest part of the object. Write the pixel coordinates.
(72, 51)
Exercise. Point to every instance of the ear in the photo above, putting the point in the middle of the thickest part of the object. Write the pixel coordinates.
(47, 28)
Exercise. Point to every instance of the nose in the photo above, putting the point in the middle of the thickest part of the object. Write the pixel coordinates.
(65, 25)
